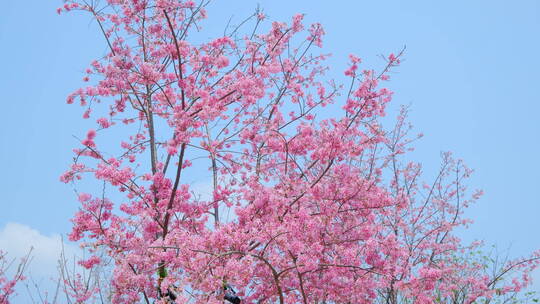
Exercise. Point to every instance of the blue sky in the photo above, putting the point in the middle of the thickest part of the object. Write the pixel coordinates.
(470, 75)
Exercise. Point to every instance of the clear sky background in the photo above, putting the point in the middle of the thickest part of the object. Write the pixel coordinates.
(470, 75)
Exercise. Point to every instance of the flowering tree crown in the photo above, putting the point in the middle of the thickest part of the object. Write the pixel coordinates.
(301, 207)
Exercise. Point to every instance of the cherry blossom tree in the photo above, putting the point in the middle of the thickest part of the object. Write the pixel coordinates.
(9, 279)
(311, 198)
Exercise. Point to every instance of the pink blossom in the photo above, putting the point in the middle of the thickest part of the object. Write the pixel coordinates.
(229, 169)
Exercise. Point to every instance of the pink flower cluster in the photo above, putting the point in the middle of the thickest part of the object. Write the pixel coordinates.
(302, 207)
(11, 274)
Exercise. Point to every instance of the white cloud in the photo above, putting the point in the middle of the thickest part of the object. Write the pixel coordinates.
(203, 190)
(17, 239)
